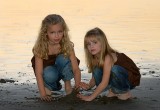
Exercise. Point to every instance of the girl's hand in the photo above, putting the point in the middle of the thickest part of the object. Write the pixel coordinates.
(84, 86)
(76, 88)
(85, 98)
(47, 98)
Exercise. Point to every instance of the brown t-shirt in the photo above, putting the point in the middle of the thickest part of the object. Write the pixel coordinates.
(50, 61)
(133, 71)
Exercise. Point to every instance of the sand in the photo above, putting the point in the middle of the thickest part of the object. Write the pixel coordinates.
(25, 96)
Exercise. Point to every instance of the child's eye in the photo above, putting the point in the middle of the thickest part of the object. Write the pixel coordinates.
(53, 32)
(60, 32)
(88, 44)
(95, 42)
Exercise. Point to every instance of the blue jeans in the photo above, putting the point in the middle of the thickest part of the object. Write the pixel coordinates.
(118, 81)
(52, 75)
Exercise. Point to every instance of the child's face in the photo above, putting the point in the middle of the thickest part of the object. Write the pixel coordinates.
(55, 33)
(93, 45)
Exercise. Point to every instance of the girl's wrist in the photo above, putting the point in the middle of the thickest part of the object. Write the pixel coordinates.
(89, 87)
(76, 87)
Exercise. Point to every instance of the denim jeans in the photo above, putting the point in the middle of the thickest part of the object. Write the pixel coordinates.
(60, 70)
(118, 81)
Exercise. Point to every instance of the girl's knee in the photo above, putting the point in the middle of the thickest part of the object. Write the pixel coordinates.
(97, 72)
(50, 74)
(119, 71)
(61, 60)
(115, 70)
(63, 65)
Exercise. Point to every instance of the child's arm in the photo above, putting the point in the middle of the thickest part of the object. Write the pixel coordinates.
(39, 77)
(105, 80)
(88, 86)
(76, 70)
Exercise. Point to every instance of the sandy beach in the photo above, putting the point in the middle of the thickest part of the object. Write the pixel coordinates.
(25, 96)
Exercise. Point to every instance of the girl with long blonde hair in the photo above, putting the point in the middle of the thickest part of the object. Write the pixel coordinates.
(54, 57)
(110, 69)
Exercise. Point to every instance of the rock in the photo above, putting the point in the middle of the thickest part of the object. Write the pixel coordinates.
(2, 81)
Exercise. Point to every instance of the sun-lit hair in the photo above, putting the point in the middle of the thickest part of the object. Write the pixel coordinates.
(40, 48)
(105, 48)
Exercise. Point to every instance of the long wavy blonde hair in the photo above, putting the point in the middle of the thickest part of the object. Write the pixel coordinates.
(105, 48)
(40, 48)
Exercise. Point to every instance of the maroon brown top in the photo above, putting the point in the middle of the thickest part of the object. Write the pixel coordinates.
(130, 66)
(50, 61)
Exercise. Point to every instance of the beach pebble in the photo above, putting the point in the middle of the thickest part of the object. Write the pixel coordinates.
(6, 80)
(2, 81)
(152, 72)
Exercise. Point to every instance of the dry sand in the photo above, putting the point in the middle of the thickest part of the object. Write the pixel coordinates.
(24, 96)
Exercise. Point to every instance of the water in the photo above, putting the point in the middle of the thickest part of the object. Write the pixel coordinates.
(132, 27)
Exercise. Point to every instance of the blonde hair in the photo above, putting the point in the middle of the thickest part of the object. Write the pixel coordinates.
(40, 48)
(105, 48)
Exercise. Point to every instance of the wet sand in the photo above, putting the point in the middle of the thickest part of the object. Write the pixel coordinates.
(25, 96)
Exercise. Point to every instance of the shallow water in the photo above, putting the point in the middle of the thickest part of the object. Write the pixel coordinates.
(132, 27)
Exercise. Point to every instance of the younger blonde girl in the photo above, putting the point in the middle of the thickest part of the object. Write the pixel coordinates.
(110, 69)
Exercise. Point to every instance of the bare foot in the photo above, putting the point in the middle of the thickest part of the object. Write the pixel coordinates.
(111, 94)
(48, 92)
(125, 96)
